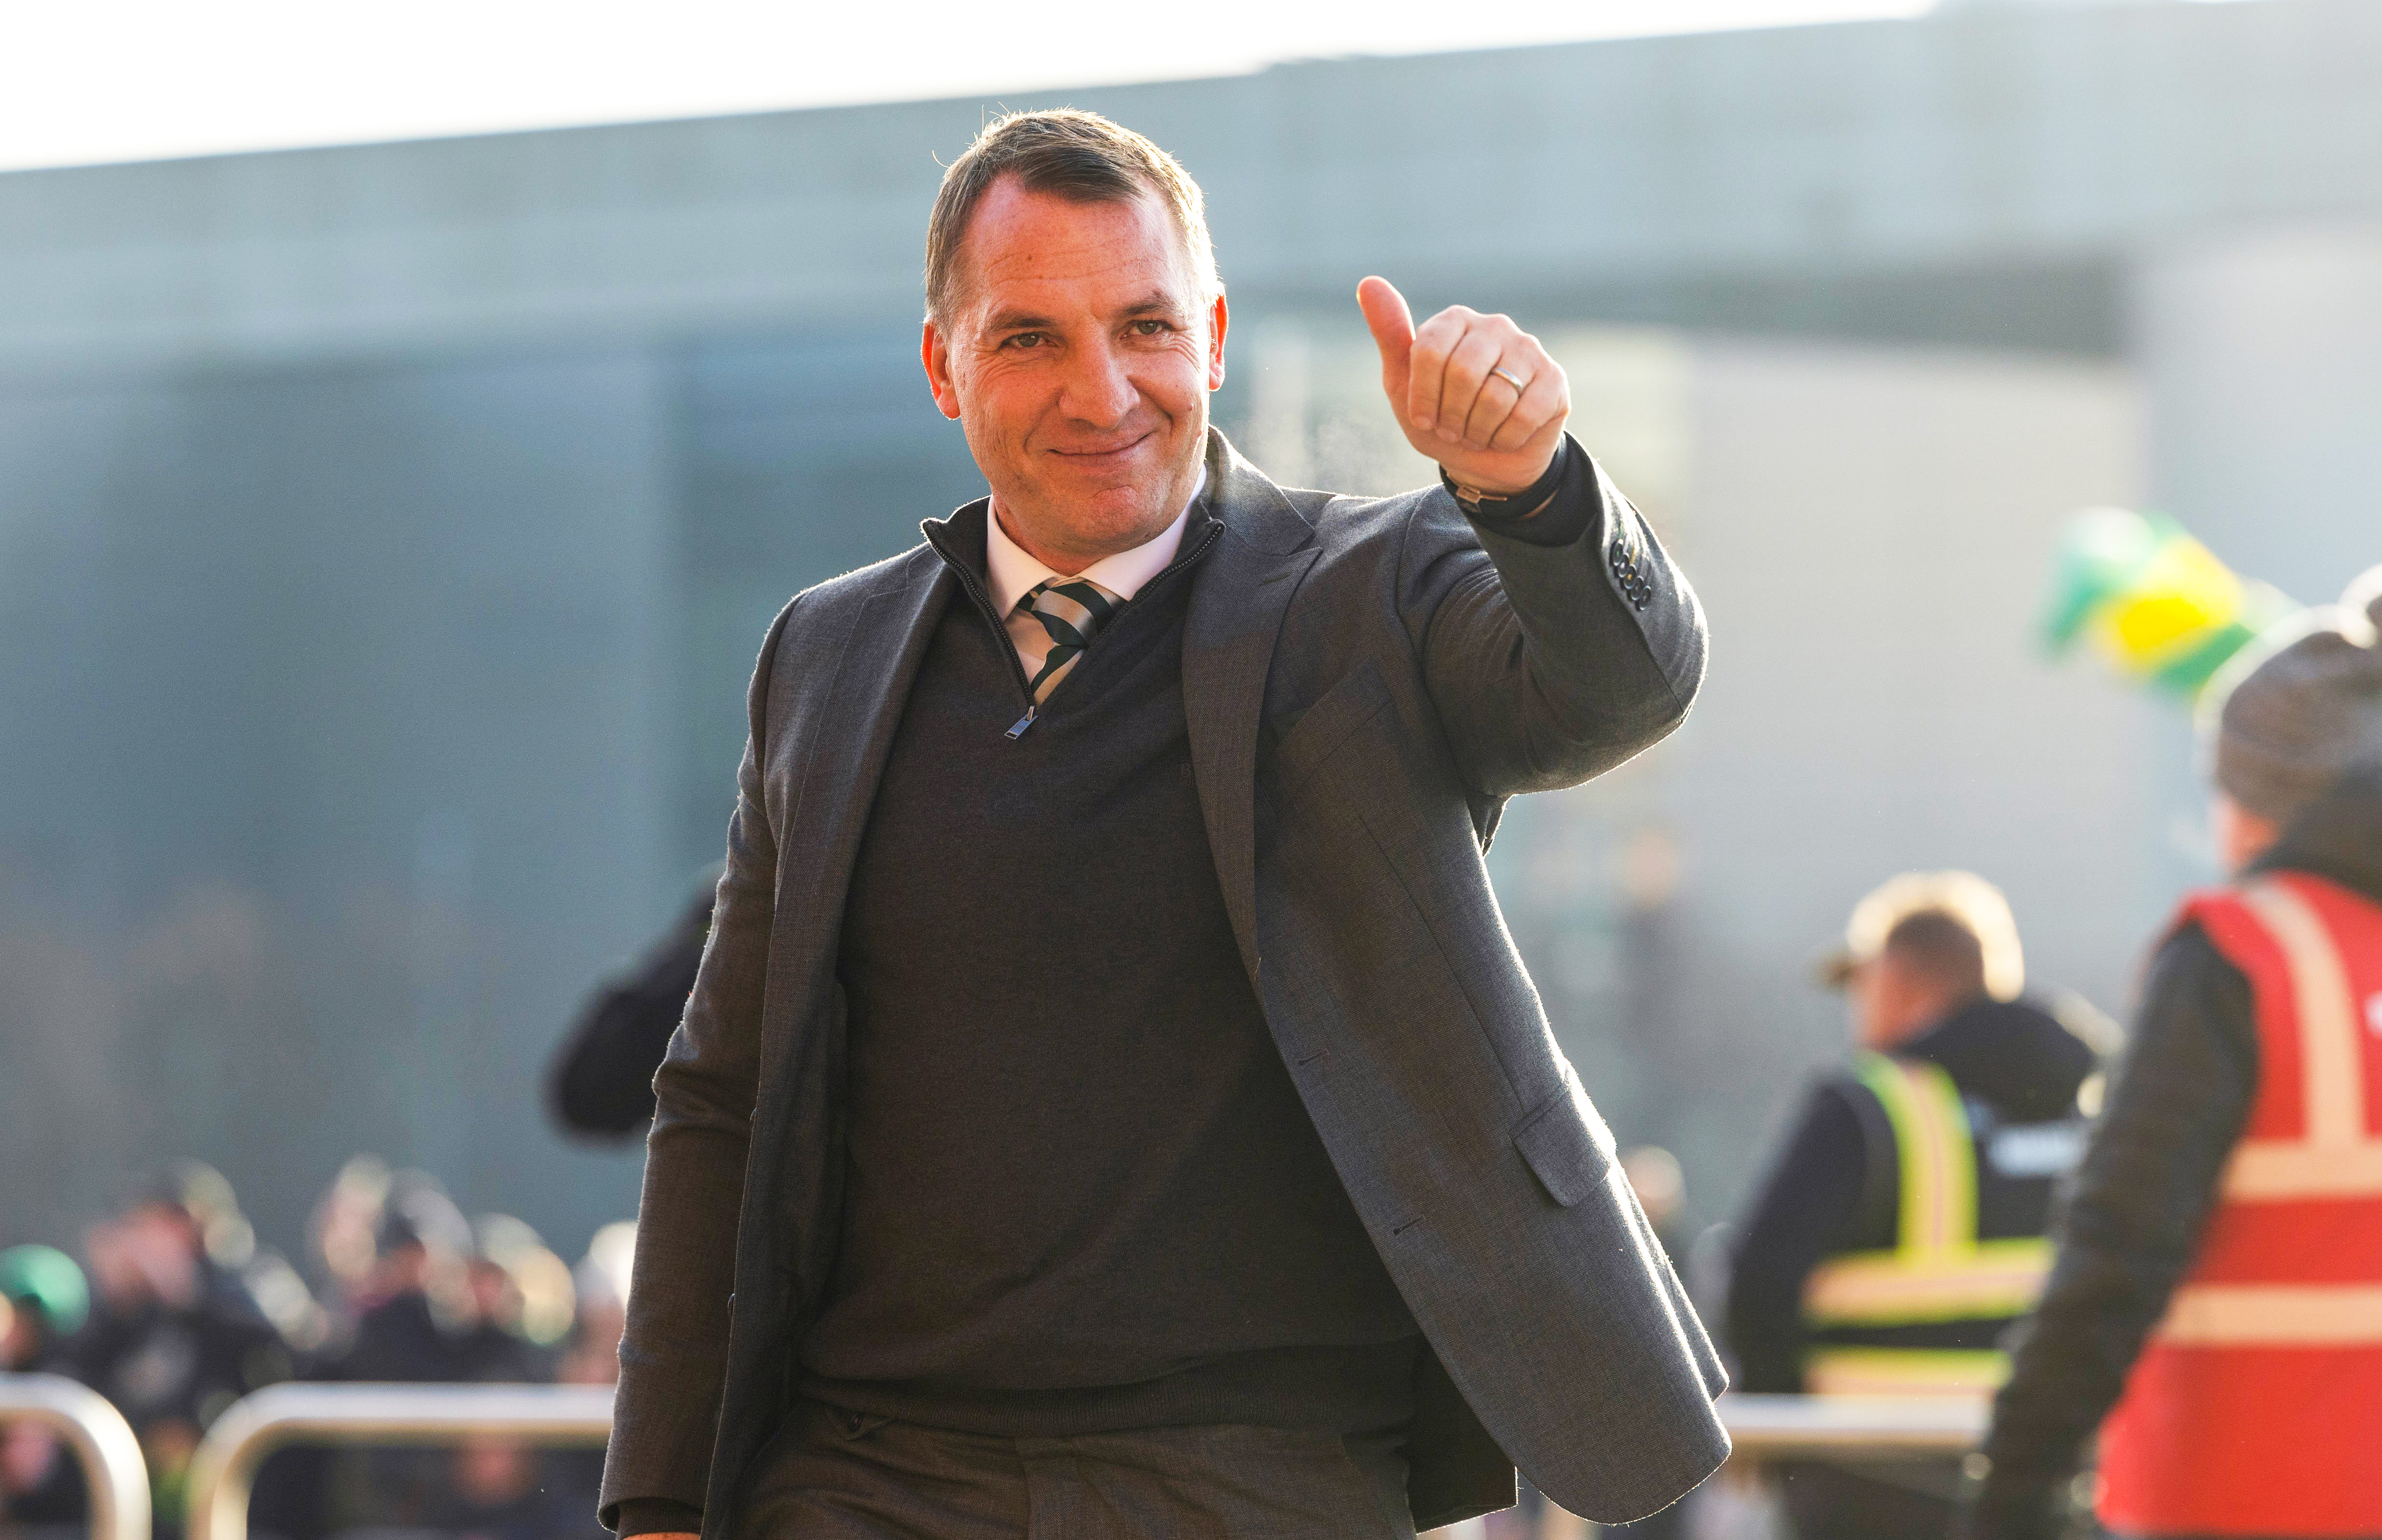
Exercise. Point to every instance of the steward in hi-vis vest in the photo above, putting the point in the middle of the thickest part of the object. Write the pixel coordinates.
(2218, 1293)
(1900, 1232)
(1925, 1313)
(2257, 1406)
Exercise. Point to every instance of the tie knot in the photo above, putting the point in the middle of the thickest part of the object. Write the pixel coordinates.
(1071, 611)
(1078, 604)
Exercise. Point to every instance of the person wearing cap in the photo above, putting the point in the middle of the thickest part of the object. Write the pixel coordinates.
(1901, 1230)
(44, 1301)
(2216, 1309)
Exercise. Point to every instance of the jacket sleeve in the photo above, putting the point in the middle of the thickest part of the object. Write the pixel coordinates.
(1549, 664)
(674, 1352)
(1806, 1210)
(2131, 1228)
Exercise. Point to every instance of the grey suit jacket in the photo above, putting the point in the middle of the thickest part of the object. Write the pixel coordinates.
(1366, 682)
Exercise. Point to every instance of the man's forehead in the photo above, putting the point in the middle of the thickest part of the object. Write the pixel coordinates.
(1037, 249)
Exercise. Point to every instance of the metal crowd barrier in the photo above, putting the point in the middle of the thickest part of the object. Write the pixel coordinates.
(114, 1471)
(225, 1466)
(221, 1472)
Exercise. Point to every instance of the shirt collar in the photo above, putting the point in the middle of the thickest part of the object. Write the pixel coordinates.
(1012, 574)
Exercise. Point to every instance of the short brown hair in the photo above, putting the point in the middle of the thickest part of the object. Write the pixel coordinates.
(1939, 948)
(1077, 155)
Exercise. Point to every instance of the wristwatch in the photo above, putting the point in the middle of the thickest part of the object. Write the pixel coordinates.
(1477, 503)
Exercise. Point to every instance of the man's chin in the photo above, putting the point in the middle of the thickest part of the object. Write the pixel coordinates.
(1108, 521)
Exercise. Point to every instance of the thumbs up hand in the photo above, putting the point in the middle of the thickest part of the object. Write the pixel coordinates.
(1474, 392)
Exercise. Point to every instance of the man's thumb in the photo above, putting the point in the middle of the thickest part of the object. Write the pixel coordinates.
(1391, 322)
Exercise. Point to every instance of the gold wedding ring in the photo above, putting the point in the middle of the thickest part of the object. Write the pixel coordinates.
(1519, 383)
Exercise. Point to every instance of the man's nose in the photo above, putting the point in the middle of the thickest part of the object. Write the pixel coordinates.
(1099, 389)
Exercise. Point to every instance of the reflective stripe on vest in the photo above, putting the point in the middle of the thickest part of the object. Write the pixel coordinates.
(2334, 1156)
(1938, 1270)
(1905, 1371)
(2253, 1408)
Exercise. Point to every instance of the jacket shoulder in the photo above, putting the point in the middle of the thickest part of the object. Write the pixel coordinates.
(1345, 523)
(824, 603)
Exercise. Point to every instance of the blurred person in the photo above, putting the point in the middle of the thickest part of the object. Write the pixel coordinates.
(1026, 1175)
(1900, 1229)
(449, 1301)
(43, 1301)
(522, 1302)
(2217, 1305)
(174, 1336)
(601, 1282)
(592, 1357)
(601, 1083)
(300, 1488)
(343, 1235)
(500, 1489)
(1659, 1185)
(414, 1301)
(48, 1301)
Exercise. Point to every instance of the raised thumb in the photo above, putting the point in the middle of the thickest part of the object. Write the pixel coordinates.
(1391, 322)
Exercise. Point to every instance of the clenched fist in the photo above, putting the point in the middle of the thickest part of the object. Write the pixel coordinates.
(1474, 392)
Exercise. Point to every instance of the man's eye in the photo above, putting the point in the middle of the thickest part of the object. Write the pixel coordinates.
(1149, 328)
(1027, 340)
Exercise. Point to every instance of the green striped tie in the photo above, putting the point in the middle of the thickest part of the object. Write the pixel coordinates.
(1071, 610)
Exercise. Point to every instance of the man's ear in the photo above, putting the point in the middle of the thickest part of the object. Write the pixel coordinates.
(1218, 316)
(937, 358)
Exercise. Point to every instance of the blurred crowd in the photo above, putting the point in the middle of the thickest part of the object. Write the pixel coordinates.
(174, 1312)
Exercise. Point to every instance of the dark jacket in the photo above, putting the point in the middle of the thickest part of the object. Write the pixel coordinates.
(2148, 1183)
(1364, 682)
(1833, 1188)
(601, 1083)
(160, 1363)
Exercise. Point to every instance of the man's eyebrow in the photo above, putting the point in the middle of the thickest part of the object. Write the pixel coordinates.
(1011, 321)
(1157, 301)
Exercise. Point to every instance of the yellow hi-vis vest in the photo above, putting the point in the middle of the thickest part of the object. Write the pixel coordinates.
(1870, 1314)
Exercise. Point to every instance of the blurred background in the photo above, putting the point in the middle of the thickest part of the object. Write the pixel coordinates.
(387, 529)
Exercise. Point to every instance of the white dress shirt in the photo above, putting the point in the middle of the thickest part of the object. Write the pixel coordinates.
(1010, 574)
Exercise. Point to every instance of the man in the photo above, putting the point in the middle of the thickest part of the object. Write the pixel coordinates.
(174, 1336)
(2219, 1277)
(43, 1301)
(1108, 1090)
(1901, 1230)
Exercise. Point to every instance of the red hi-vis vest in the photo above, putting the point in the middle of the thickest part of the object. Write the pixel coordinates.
(2256, 1406)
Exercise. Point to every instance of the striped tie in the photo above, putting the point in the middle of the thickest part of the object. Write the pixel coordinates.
(1071, 610)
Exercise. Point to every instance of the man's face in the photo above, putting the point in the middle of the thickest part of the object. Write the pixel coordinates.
(1078, 357)
(1885, 1003)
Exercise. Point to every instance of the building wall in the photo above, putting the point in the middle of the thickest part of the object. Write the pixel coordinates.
(336, 757)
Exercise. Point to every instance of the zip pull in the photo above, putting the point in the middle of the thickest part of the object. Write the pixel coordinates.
(1017, 729)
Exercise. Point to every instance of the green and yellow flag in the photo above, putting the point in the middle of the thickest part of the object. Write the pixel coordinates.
(2152, 600)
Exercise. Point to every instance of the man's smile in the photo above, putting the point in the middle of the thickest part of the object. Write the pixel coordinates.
(1100, 460)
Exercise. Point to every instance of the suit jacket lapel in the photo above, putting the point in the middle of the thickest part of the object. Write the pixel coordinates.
(1237, 602)
(850, 736)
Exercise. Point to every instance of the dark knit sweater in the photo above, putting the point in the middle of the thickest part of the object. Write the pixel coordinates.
(1083, 1194)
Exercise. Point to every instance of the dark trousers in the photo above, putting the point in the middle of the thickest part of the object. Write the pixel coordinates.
(832, 1475)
